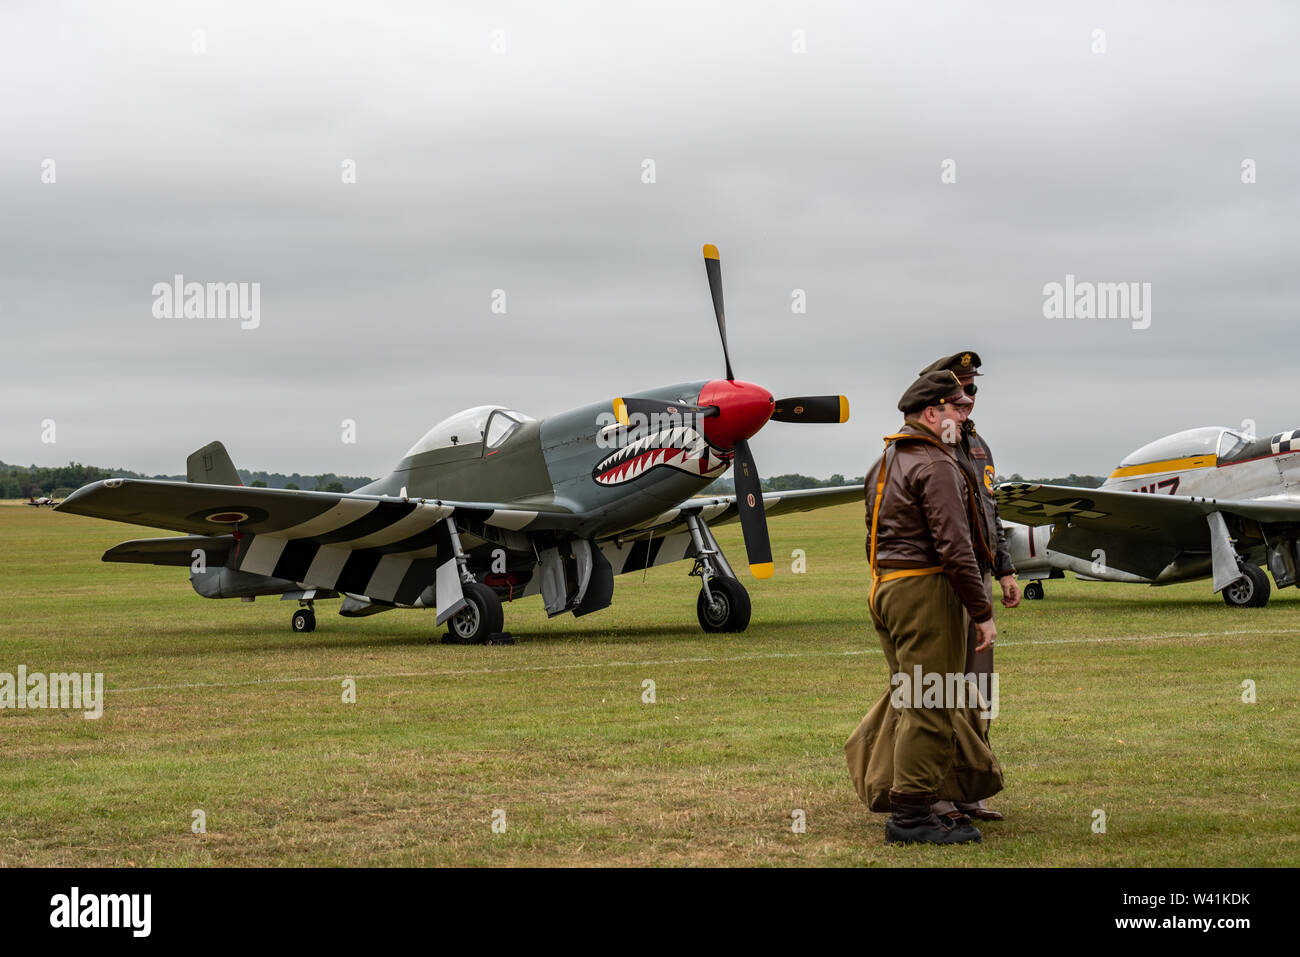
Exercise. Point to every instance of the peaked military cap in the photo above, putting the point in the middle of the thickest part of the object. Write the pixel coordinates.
(962, 363)
(933, 388)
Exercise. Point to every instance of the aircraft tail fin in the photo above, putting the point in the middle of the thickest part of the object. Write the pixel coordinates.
(211, 465)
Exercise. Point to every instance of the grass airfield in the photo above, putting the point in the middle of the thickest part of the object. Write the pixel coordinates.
(1121, 699)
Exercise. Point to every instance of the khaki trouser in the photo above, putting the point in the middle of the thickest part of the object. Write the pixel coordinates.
(976, 664)
(982, 663)
(920, 621)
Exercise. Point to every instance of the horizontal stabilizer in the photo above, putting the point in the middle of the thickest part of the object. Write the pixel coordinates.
(211, 465)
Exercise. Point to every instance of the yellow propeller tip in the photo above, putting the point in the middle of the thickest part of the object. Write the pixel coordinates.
(844, 408)
(710, 251)
(761, 571)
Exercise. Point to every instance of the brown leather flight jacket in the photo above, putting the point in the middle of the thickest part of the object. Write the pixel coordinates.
(926, 516)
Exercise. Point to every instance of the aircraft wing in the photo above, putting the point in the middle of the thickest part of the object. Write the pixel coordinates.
(381, 547)
(335, 517)
(1174, 520)
(780, 503)
(722, 509)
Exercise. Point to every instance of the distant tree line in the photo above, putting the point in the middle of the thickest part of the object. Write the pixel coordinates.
(34, 481)
(783, 483)
(326, 482)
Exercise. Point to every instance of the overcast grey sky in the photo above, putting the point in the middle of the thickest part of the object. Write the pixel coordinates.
(521, 169)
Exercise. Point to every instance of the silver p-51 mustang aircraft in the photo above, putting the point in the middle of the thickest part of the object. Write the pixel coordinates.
(491, 504)
(1210, 503)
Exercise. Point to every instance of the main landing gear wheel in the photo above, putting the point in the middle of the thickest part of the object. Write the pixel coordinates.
(482, 616)
(729, 610)
(304, 620)
(1033, 591)
(1249, 591)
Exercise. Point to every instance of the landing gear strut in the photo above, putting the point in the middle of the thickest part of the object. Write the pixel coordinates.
(480, 616)
(304, 619)
(723, 605)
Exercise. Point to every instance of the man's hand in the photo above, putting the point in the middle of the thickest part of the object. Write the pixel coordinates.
(1010, 590)
(987, 631)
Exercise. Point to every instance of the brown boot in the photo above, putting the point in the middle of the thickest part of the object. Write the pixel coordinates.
(978, 810)
(948, 809)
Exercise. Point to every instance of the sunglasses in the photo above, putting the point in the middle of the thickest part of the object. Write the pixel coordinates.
(970, 389)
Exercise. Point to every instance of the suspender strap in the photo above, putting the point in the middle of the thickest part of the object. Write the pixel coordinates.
(885, 460)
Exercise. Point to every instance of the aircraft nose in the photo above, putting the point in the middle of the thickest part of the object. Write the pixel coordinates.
(743, 409)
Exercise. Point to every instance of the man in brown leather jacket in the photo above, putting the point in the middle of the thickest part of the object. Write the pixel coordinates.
(976, 460)
(925, 579)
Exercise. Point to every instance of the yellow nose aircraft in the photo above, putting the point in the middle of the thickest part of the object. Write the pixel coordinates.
(1209, 502)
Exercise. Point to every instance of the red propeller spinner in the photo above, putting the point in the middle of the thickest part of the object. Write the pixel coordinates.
(743, 409)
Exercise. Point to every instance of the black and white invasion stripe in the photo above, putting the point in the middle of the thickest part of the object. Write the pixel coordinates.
(385, 551)
(1286, 442)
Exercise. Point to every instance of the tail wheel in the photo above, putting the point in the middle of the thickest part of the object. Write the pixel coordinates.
(728, 611)
(1250, 590)
(482, 616)
(1033, 591)
(304, 620)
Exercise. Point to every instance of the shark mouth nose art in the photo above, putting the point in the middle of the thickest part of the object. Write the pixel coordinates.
(681, 448)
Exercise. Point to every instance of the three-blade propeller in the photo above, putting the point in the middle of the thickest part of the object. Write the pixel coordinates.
(733, 412)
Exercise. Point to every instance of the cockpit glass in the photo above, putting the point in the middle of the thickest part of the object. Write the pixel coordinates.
(1231, 443)
(463, 428)
(500, 427)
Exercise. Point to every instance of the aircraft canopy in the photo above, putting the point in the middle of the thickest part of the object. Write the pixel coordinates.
(469, 427)
(1181, 445)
